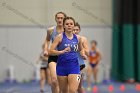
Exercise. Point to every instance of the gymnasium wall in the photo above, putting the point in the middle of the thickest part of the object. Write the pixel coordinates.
(23, 12)
(21, 46)
(33, 12)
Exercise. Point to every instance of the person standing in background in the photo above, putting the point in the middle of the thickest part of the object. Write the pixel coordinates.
(94, 60)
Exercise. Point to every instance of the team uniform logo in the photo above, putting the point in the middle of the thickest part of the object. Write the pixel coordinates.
(73, 47)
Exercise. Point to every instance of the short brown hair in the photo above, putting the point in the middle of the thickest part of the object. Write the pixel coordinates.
(67, 18)
(77, 24)
(60, 13)
(94, 41)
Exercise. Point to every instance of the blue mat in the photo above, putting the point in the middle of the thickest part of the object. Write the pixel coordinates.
(35, 88)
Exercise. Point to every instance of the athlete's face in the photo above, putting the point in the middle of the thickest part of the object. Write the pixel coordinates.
(59, 19)
(69, 25)
(93, 46)
(76, 30)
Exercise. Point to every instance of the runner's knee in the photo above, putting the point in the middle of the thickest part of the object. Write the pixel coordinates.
(54, 81)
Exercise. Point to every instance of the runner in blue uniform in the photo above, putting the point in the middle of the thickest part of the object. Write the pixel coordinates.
(51, 34)
(68, 70)
(77, 30)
